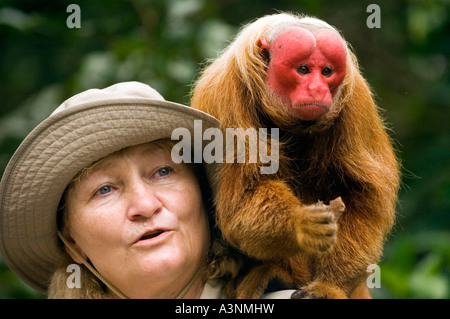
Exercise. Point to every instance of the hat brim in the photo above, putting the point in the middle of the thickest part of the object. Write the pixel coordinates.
(53, 153)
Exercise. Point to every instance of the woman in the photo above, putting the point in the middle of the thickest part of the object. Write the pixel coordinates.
(98, 174)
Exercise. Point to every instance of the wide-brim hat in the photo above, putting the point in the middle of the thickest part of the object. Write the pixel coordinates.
(83, 129)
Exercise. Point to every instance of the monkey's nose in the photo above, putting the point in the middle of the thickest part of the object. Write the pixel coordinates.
(318, 92)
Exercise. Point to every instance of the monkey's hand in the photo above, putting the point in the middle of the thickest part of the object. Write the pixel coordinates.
(317, 226)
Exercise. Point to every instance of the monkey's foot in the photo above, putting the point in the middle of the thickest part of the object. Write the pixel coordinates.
(318, 290)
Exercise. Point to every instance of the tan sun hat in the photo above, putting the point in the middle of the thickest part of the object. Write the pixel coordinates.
(83, 129)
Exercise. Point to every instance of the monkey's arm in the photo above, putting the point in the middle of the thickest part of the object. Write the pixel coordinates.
(267, 221)
(362, 230)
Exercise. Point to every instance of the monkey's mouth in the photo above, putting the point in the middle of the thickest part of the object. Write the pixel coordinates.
(310, 111)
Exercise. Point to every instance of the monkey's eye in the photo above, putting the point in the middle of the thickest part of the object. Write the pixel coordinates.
(327, 72)
(303, 69)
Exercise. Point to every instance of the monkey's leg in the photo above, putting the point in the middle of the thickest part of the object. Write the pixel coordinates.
(361, 292)
(255, 282)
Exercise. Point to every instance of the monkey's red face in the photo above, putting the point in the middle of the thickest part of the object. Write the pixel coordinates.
(306, 70)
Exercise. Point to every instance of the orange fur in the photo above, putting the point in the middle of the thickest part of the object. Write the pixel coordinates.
(275, 219)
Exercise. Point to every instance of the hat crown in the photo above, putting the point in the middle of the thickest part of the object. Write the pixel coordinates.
(117, 92)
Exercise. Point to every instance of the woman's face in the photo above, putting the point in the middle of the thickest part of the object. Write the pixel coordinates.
(139, 218)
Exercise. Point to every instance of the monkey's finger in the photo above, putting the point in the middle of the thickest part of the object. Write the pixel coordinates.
(316, 208)
(321, 230)
(320, 217)
(337, 204)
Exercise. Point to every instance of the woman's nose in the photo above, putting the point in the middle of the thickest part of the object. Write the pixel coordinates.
(143, 201)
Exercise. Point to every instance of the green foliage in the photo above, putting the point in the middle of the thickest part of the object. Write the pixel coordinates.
(165, 44)
(418, 266)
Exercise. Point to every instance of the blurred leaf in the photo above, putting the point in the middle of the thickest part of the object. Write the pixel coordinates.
(16, 19)
(424, 17)
(418, 266)
(213, 37)
(426, 280)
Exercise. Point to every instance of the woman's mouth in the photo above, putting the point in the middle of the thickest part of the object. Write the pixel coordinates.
(151, 234)
(152, 237)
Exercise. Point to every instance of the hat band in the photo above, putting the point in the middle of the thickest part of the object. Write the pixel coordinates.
(90, 267)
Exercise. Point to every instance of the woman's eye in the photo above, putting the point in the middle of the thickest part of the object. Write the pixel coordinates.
(164, 171)
(103, 190)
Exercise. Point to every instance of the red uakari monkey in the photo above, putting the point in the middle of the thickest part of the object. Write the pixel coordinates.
(298, 74)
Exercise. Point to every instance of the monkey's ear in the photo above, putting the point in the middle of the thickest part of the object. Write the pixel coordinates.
(263, 44)
(264, 47)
